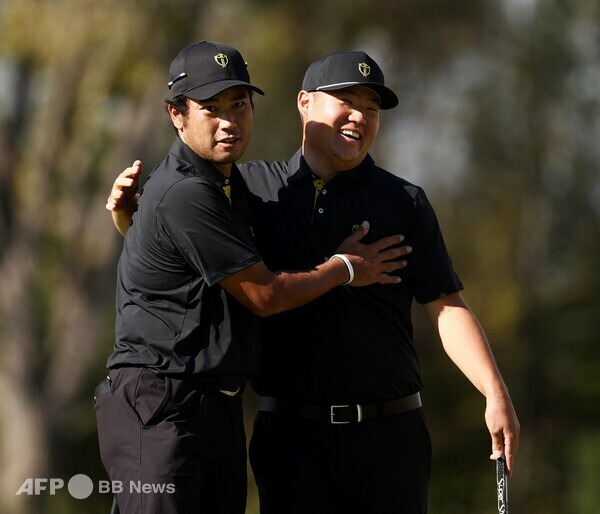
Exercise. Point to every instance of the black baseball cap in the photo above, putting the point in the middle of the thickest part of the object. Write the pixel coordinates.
(202, 70)
(340, 70)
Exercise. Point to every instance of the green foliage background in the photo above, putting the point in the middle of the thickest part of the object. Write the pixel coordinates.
(499, 120)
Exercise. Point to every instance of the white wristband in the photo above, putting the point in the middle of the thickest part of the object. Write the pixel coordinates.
(348, 265)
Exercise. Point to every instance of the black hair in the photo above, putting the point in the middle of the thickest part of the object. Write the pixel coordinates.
(179, 103)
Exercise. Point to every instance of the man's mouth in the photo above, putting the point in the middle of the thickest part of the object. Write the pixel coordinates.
(229, 140)
(352, 134)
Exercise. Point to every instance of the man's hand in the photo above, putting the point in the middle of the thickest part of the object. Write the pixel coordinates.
(504, 427)
(124, 193)
(123, 198)
(374, 262)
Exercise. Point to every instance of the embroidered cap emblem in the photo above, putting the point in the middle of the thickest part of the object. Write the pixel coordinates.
(364, 68)
(222, 60)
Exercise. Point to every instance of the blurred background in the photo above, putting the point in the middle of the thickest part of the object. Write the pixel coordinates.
(499, 120)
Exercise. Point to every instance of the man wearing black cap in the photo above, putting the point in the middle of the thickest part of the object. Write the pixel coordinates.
(340, 426)
(170, 424)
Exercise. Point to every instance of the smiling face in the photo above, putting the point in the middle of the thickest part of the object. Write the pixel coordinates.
(339, 128)
(217, 129)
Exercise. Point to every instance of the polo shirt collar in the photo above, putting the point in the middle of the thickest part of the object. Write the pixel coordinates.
(201, 167)
(300, 169)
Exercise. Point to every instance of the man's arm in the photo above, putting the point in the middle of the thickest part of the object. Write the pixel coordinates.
(465, 343)
(122, 201)
(266, 292)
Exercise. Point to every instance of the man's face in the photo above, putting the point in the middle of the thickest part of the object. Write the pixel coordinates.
(340, 126)
(217, 129)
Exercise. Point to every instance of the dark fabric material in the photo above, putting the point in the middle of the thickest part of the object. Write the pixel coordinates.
(352, 345)
(306, 466)
(181, 439)
(186, 235)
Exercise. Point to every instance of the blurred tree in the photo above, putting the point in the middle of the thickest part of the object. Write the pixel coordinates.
(499, 121)
(84, 96)
(503, 133)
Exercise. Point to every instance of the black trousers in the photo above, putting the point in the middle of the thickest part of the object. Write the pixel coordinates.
(306, 466)
(173, 447)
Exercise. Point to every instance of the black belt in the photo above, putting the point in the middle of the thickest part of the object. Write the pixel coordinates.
(342, 414)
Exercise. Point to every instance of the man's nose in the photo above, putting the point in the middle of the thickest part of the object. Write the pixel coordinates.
(357, 116)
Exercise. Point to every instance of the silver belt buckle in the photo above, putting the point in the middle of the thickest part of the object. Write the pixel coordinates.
(332, 414)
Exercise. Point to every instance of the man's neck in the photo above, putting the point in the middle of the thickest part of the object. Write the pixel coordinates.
(223, 168)
(318, 166)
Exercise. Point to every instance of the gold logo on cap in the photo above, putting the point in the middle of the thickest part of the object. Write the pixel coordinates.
(364, 68)
(222, 60)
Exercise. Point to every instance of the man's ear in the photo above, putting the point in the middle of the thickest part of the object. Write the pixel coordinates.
(176, 117)
(304, 99)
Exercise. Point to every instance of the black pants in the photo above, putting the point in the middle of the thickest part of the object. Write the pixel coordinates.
(306, 466)
(173, 447)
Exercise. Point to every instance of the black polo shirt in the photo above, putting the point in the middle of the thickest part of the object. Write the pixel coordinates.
(192, 229)
(354, 344)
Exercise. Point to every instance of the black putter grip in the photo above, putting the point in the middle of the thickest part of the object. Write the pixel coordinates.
(502, 486)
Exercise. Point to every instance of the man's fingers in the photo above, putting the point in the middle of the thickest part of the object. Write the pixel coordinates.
(115, 194)
(497, 447)
(124, 187)
(393, 253)
(137, 164)
(132, 174)
(404, 250)
(504, 446)
(133, 170)
(389, 267)
(386, 242)
(360, 232)
(124, 181)
(113, 198)
(388, 279)
(510, 452)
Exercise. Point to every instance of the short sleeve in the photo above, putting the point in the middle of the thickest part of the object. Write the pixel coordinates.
(196, 217)
(435, 275)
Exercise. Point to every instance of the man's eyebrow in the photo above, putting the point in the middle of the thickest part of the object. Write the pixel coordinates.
(376, 98)
(373, 96)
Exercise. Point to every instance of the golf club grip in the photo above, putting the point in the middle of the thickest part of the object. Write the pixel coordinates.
(502, 486)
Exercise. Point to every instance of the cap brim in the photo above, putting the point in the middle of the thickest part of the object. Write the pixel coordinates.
(207, 91)
(388, 99)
